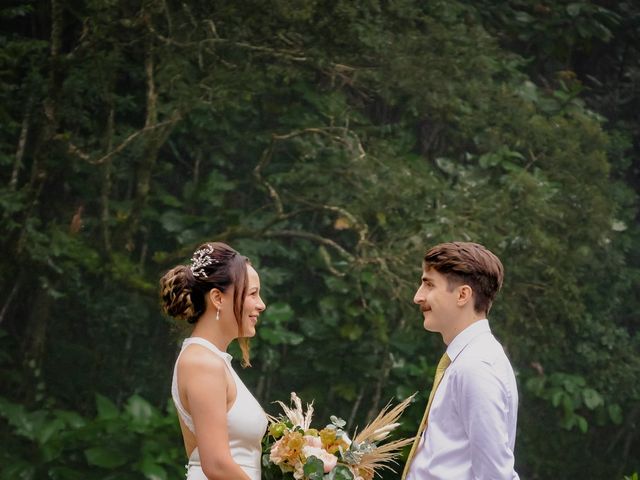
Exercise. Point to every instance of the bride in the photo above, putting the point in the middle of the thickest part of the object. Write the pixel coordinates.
(222, 423)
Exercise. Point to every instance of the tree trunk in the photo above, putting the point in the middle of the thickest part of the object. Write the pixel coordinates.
(153, 142)
(382, 381)
(37, 321)
(36, 328)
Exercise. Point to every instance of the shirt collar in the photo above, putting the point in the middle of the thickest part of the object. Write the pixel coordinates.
(466, 336)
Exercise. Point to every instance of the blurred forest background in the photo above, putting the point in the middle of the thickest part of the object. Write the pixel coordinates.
(332, 142)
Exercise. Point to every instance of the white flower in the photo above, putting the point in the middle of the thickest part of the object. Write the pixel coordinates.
(329, 461)
(296, 415)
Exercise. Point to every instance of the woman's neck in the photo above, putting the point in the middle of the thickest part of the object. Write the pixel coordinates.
(210, 329)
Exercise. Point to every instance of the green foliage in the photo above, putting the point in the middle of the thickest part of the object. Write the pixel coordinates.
(332, 143)
(570, 394)
(135, 442)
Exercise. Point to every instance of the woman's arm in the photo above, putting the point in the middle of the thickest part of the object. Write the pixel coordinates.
(206, 391)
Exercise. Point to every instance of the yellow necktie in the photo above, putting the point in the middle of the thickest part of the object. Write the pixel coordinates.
(444, 362)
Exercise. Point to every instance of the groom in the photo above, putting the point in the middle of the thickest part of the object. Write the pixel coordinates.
(469, 427)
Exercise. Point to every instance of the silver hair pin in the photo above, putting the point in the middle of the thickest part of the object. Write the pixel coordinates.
(201, 259)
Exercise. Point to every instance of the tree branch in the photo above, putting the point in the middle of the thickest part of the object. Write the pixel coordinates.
(77, 152)
(257, 173)
(267, 155)
(22, 142)
(16, 286)
(331, 133)
(356, 407)
(294, 55)
(313, 237)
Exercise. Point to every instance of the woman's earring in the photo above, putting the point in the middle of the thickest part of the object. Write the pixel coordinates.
(218, 314)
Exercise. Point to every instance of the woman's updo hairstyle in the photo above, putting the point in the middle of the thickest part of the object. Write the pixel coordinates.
(213, 265)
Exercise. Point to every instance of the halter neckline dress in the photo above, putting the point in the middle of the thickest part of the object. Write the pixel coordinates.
(246, 420)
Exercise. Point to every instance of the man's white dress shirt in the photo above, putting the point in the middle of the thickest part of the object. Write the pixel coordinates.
(471, 430)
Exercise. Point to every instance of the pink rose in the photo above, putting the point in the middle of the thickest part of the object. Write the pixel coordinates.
(276, 453)
(329, 461)
(312, 441)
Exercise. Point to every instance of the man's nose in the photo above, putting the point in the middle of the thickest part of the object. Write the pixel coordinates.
(418, 297)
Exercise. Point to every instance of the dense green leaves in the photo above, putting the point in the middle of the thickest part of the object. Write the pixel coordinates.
(331, 143)
(138, 442)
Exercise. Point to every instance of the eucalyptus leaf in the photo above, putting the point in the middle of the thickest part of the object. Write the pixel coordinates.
(338, 422)
(314, 468)
(340, 472)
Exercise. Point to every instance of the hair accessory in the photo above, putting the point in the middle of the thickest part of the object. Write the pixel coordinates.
(201, 259)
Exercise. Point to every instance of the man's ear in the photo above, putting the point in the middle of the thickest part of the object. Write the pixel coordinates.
(215, 297)
(465, 295)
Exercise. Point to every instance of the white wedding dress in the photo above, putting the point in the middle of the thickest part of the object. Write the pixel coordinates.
(246, 421)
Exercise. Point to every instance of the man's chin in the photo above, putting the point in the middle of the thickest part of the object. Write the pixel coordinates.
(426, 324)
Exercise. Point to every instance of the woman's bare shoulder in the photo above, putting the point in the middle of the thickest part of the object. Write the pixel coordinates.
(198, 359)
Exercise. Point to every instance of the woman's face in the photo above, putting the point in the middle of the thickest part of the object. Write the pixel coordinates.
(253, 304)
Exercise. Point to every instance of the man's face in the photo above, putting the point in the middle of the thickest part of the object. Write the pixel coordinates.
(439, 304)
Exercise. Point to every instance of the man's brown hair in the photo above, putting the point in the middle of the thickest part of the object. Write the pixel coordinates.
(467, 263)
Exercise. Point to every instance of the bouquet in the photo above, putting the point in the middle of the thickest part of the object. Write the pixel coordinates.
(306, 453)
